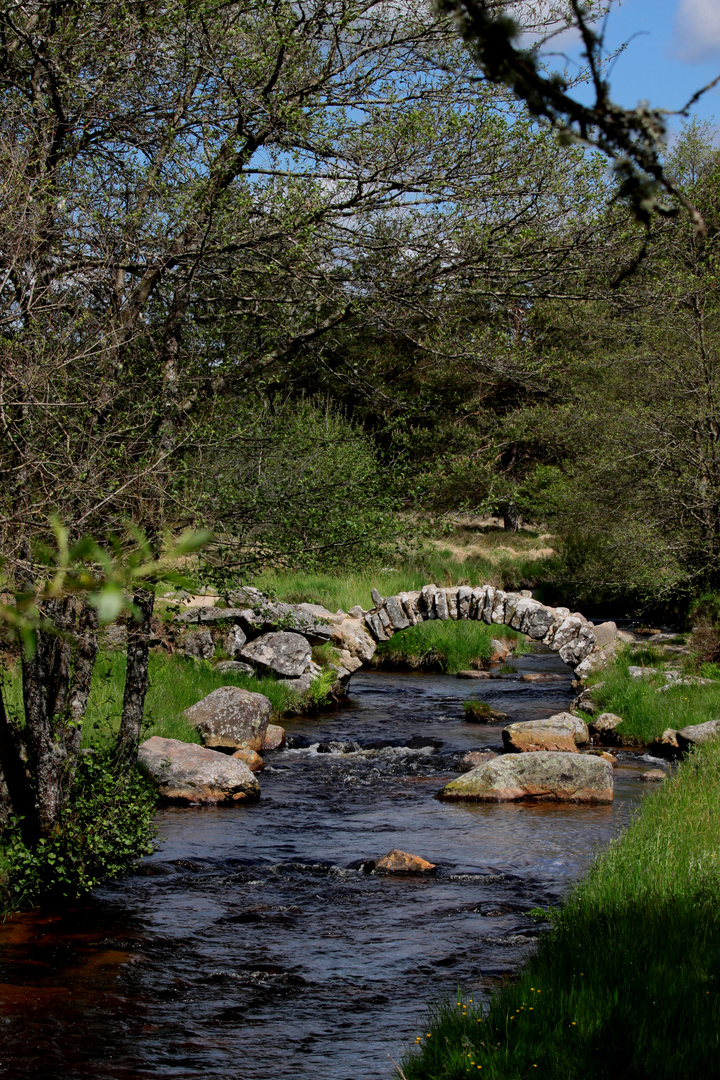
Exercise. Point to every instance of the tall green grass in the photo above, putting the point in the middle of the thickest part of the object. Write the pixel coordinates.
(645, 712)
(176, 683)
(627, 984)
(442, 646)
(344, 591)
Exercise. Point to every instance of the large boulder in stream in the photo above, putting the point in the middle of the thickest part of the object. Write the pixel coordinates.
(563, 731)
(186, 773)
(545, 776)
(231, 719)
(284, 654)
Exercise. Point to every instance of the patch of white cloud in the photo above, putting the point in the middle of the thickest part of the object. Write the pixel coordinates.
(697, 26)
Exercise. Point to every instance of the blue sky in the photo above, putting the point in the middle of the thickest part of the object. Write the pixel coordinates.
(673, 49)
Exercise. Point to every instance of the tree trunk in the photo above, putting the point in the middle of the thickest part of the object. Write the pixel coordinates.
(17, 796)
(136, 677)
(511, 518)
(56, 687)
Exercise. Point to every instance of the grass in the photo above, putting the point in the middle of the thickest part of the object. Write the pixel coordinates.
(480, 712)
(442, 567)
(646, 713)
(176, 683)
(627, 984)
(442, 646)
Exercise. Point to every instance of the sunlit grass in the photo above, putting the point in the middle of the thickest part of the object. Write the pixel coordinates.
(627, 985)
(442, 646)
(439, 567)
(645, 712)
(176, 683)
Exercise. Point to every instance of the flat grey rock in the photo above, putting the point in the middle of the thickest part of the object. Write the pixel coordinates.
(282, 653)
(544, 776)
(698, 734)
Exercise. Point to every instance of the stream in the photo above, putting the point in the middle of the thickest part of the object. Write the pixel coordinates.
(253, 945)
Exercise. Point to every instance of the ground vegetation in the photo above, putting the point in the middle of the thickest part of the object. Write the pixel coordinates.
(599, 998)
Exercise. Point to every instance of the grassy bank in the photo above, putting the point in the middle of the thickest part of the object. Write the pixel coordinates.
(444, 646)
(627, 983)
(646, 709)
(176, 683)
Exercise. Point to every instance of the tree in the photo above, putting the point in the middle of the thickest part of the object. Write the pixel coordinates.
(194, 196)
(633, 405)
(633, 138)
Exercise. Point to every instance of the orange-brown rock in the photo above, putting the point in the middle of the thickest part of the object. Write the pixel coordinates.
(604, 755)
(253, 761)
(563, 731)
(499, 651)
(402, 862)
(274, 737)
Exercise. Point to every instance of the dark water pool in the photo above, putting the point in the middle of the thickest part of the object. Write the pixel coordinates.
(253, 946)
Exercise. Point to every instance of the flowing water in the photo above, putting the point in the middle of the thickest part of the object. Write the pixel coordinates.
(256, 945)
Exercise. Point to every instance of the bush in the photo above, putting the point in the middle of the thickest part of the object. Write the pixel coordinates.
(106, 829)
(296, 485)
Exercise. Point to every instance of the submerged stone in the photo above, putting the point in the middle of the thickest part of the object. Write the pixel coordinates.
(402, 862)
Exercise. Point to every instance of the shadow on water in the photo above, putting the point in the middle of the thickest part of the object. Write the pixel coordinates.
(253, 945)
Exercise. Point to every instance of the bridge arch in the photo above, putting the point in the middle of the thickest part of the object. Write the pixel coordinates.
(568, 634)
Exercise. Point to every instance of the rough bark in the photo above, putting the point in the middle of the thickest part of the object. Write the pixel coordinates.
(136, 678)
(17, 797)
(56, 687)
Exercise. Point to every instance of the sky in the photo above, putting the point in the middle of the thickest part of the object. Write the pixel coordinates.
(673, 49)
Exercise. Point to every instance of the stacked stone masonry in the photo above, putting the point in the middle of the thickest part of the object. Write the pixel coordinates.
(570, 635)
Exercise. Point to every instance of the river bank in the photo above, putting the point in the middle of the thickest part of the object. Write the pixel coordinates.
(626, 985)
(256, 943)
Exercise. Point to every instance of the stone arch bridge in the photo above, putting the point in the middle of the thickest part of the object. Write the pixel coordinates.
(277, 638)
(568, 634)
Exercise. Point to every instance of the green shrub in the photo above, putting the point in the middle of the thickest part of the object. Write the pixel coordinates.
(320, 687)
(106, 828)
